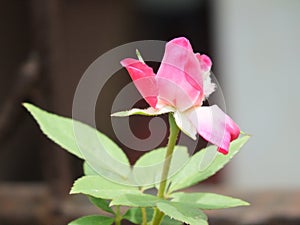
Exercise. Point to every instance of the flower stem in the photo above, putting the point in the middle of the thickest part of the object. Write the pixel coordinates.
(118, 216)
(157, 217)
(144, 216)
(174, 131)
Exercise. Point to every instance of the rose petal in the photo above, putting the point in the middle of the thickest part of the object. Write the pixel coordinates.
(208, 86)
(185, 124)
(206, 64)
(143, 78)
(179, 77)
(214, 126)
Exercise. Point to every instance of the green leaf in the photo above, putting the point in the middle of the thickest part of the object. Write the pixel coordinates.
(103, 155)
(144, 112)
(93, 220)
(56, 128)
(207, 200)
(100, 187)
(88, 170)
(101, 203)
(134, 215)
(192, 174)
(151, 164)
(168, 221)
(136, 200)
(183, 212)
(138, 54)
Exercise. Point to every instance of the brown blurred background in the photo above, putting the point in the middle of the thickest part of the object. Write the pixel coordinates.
(46, 45)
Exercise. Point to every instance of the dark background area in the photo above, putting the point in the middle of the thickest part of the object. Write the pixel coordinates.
(46, 45)
(63, 38)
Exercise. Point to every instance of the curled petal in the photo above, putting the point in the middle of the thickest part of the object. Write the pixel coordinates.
(143, 78)
(205, 63)
(214, 126)
(181, 68)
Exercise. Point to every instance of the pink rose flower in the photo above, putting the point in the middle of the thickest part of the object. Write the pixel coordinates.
(180, 86)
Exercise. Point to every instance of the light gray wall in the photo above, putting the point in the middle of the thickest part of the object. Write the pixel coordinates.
(258, 48)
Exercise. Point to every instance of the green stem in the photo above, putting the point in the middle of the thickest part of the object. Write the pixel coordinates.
(144, 215)
(118, 216)
(157, 217)
(174, 131)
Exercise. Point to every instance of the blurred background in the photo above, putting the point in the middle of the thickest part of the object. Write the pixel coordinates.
(46, 45)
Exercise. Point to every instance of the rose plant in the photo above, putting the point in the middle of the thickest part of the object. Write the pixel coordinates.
(179, 89)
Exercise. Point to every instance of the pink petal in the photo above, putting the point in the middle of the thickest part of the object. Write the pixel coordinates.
(143, 78)
(214, 126)
(185, 124)
(205, 62)
(179, 77)
(183, 42)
